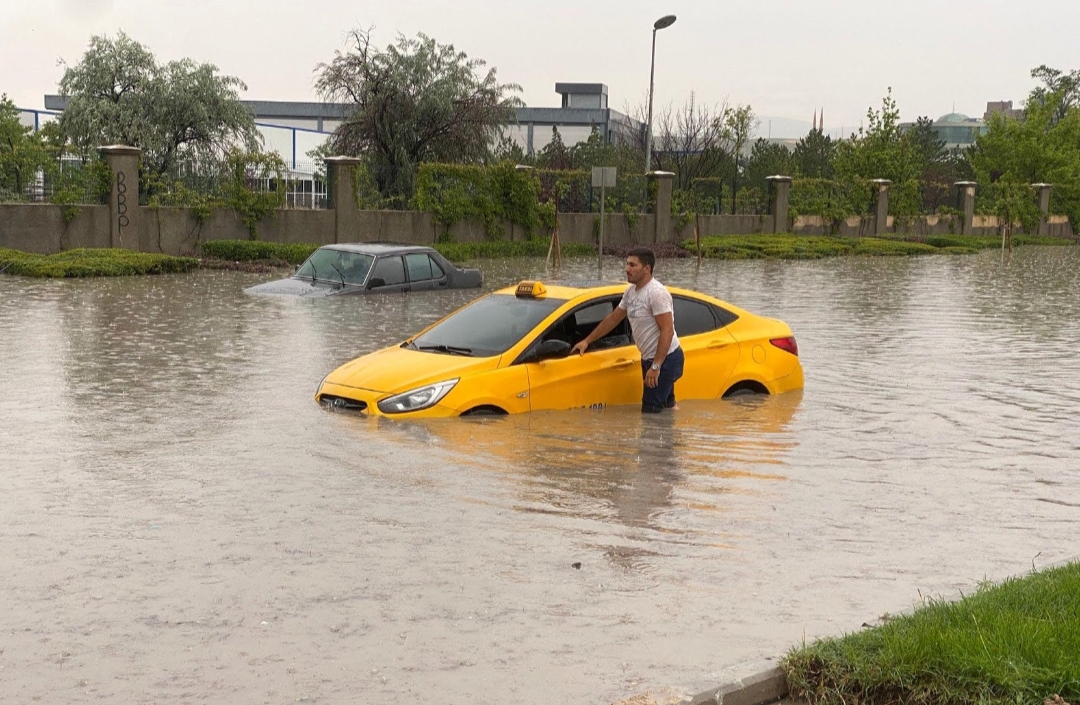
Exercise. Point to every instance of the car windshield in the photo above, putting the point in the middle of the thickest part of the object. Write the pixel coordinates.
(337, 266)
(490, 326)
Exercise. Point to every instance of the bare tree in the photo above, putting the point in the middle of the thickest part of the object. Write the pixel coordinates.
(689, 141)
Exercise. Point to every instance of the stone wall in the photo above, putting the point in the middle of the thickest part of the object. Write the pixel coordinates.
(41, 228)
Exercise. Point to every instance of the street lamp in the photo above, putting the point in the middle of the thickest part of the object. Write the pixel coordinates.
(663, 22)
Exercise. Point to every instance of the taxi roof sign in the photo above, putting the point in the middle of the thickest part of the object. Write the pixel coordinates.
(531, 290)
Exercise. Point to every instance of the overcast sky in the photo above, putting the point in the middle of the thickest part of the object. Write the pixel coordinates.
(786, 58)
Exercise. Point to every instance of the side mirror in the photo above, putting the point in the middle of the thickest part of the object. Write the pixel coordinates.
(549, 350)
(377, 281)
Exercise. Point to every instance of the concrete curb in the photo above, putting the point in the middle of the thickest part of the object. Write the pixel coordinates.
(759, 689)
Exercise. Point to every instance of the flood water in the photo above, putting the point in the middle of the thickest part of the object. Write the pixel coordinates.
(179, 521)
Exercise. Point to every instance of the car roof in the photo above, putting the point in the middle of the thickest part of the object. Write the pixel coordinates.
(573, 289)
(377, 248)
(570, 290)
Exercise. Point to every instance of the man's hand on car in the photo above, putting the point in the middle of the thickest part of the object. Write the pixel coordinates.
(580, 347)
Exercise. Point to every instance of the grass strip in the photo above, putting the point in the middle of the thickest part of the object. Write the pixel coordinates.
(92, 263)
(1015, 643)
(786, 246)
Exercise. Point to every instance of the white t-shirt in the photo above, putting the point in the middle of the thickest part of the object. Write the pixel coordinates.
(641, 305)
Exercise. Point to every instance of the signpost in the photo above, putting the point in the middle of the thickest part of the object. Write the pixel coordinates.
(602, 177)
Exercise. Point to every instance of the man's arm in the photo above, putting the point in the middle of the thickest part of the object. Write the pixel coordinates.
(602, 328)
(666, 323)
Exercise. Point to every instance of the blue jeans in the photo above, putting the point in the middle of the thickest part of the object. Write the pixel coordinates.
(662, 396)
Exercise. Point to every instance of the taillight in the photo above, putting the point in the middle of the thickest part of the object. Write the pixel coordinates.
(788, 344)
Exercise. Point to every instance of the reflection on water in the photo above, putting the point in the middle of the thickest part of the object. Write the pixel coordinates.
(643, 472)
(182, 520)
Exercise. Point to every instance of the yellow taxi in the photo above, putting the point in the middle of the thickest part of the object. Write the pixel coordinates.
(509, 353)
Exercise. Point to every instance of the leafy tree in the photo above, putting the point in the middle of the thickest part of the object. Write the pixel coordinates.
(1043, 147)
(924, 141)
(415, 101)
(22, 153)
(884, 151)
(738, 127)
(766, 160)
(813, 156)
(555, 154)
(879, 151)
(182, 110)
(1059, 89)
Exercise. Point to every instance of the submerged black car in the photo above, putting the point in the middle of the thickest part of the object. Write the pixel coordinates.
(371, 268)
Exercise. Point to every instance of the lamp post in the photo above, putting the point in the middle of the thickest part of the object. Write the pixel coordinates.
(663, 22)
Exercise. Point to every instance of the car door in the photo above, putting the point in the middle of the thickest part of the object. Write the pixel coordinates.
(418, 265)
(608, 374)
(710, 351)
(439, 279)
(387, 275)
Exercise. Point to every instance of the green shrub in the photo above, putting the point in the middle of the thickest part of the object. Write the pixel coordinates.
(459, 251)
(256, 250)
(491, 194)
(92, 263)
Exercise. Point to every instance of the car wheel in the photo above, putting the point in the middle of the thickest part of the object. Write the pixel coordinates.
(486, 410)
(744, 389)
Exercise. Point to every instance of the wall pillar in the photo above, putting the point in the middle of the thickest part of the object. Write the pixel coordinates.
(1043, 191)
(779, 193)
(662, 208)
(881, 213)
(965, 203)
(123, 162)
(341, 197)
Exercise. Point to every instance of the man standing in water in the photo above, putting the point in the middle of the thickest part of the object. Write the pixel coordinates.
(648, 305)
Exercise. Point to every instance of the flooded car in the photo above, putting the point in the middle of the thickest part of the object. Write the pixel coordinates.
(508, 352)
(371, 268)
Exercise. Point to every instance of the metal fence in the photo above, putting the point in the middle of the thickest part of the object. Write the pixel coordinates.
(69, 180)
(302, 187)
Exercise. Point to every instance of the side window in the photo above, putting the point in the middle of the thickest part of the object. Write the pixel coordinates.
(419, 267)
(573, 327)
(723, 316)
(436, 270)
(390, 270)
(692, 317)
(591, 315)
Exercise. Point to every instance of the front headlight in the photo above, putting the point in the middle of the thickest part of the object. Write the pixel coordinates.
(416, 399)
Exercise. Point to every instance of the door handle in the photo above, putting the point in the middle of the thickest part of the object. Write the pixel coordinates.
(717, 344)
(622, 364)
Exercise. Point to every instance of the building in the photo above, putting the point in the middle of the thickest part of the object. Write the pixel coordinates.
(958, 131)
(584, 108)
(292, 129)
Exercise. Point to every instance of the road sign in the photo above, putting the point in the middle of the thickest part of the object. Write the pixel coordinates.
(603, 177)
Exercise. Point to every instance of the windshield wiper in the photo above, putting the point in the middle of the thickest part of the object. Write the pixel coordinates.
(313, 273)
(338, 273)
(448, 349)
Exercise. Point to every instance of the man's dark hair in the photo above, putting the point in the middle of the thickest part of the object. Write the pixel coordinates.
(645, 256)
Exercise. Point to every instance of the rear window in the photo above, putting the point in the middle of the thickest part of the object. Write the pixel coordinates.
(489, 326)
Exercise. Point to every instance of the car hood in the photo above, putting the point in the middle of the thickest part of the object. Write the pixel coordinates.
(295, 287)
(400, 369)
